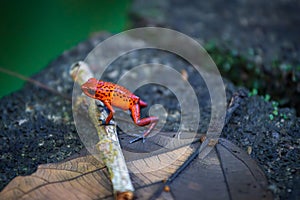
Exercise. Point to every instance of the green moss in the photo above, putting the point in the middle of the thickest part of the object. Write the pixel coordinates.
(275, 112)
(284, 116)
(275, 104)
(285, 67)
(253, 92)
(276, 80)
(267, 97)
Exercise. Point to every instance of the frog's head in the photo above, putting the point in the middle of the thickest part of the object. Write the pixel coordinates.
(89, 88)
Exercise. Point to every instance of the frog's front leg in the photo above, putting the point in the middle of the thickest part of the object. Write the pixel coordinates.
(111, 111)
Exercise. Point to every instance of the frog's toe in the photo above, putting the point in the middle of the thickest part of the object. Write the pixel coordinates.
(138, 138)
(102, 122)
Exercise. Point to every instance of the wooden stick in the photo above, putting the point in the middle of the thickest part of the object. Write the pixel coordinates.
(108, 145)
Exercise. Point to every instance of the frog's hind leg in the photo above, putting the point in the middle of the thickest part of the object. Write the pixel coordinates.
(152, 120)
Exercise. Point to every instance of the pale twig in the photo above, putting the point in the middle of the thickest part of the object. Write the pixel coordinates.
(108, 145)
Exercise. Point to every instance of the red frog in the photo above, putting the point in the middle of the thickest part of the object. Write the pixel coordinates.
(115, 95)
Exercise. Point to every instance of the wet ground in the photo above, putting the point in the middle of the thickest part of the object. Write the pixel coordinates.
(265, 34)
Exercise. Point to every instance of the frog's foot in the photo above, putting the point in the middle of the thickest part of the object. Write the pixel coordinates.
(138, 138)
(103, 123)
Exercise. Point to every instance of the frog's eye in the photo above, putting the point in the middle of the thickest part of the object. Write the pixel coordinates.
(90, 91)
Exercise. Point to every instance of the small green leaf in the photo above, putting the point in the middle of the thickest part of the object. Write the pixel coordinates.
(274, 104)
(267, 97)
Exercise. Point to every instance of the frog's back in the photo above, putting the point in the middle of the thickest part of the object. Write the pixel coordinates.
(117, 95)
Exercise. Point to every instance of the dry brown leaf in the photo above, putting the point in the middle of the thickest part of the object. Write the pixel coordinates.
(158, 167)
(87, 178)
(79, 178)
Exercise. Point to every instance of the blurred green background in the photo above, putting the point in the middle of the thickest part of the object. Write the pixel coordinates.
(35, 32)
